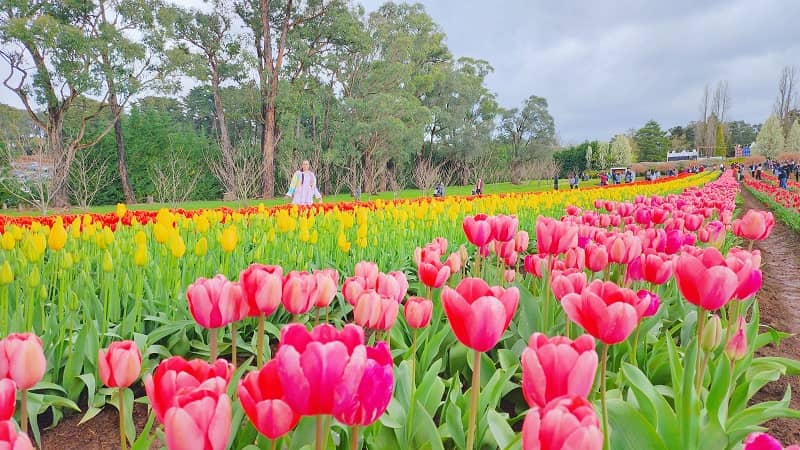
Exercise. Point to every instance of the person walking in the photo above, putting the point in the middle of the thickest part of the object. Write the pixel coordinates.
(303, 187)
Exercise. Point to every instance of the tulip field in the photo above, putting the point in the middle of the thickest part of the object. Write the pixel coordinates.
(623, 317)
(785, 202)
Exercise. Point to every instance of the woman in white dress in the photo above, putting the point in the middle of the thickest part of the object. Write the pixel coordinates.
(303, 187)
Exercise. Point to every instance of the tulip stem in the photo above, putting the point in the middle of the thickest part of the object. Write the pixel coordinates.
(123, 441)
(212, 344)
(473, 404)
(23, 410)
(636, 345)
(274, 444)
(321, 438)
(354, 439)
(413, 403)
(606, 431)
(316, 321)
(260, 340)
(546, 298)
(233, 345)
(698, 375)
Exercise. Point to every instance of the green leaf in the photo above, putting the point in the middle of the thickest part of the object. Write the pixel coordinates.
(500, 430)
(630, 430)
(653, 405)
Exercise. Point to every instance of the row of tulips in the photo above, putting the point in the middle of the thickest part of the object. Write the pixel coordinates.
(82, 282)
(787, 198)
(478, 316)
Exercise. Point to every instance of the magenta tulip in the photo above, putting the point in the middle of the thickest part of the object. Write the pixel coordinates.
(363, 397)
(215, 302)
(478, 314)
(8, 398)
(262, 286)
(605, 311)
(478, 229)
(261, 396)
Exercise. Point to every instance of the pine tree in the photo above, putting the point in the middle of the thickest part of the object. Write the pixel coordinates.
(769, 141)
(793, 140)
(589, 157)
(721, 146)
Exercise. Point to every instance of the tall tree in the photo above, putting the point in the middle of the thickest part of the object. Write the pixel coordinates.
(652, 142)
(742, 133)
(529, 131)
(621, 151)
(601, 155)
(589, 157)
(720, 146)
(786, 99)
(770, 141)
(793, 140)
(52, 57)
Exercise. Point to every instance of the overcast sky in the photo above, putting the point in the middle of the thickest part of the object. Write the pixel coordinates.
(605, 69)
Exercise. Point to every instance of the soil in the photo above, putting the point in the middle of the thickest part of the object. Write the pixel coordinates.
(781, 270)
(781, 288)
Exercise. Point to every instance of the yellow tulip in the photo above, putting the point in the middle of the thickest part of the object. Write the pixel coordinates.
(201, 247)
(121, 210)
(314, 237)
(140, 238)
(58, 236)
(304, 235)
(34, 278)
(177, 246)
(161, 232)
(108, 263)
(228, 239)
(6, 275)
(67, 262)
(201, 223)
(43, 292)
(16, 232)
(75, 229)
(8, 242)
(141, 257)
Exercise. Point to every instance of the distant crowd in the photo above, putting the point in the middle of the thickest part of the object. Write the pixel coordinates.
(781, 169)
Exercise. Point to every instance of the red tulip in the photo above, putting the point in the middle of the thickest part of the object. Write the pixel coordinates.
(262, 286)
(22, 359)
(120, 364)
(567, 423)
(10, 439)
(478, 229)
(261, 396)
(311, 365)
(352, 289)
(298, 290)
(368, 271)
(199, 420)
(557, 366)
(568, 282)
(596, 257)
(478, 314)
(710, 288)
(363, 397)
(176, 376)
(754, 225)
(554, 237)
(504, 228)
(8, 398)
(215, 302)
(605, 311)
(375, 311)
(417, 311)
(433, 276)
(326, 283)
(763, 441)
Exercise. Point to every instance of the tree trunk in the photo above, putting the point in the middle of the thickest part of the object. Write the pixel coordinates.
(224, 137)
(268, 147)
(59, 196)
(127, 189)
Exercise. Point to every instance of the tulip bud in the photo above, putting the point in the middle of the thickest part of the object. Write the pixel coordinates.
(108, 263)
(121, 210)
(712, 334)
(6, 275)
(737, 346)
(228, 239)
(34, 278)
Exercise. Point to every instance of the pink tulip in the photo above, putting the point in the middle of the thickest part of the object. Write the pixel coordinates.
(262, 286)
(643, 216)
(736, 347)
(417, 311)
(509, 275)
(652, 300)
(653, 267)
(623, 248)
(10, 439)
(429, 254)
(327, 281)
(557, 366)
(199, 420)
(375, 312)
(504, 228)
(352, 289)
(22, 359)
(298, 290)
(120, 364)
(363, 397)
(441, 243)
(566, 423)
(504, 248)
(8, 398)
(176, 376)
(311, 365)
(368, 271)
(216, 302)
(693, 222)
(763, 441)
(393, 285)
(535, 265)
(261, 396)
(754, 225)
(521, 241)
(478, 314)
(454, 262)
(433, 276)
(554, 237)
(605, 311)
(478, 229)
(749, 279)
(596, 257)
(710, 288)
(568, 282)
(575, 258)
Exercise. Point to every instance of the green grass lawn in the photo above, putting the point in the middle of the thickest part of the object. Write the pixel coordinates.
(497, 188)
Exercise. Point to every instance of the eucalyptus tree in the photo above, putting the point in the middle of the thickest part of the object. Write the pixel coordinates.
(530, 132)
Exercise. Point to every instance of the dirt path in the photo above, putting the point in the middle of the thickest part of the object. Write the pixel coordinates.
(781, 289)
